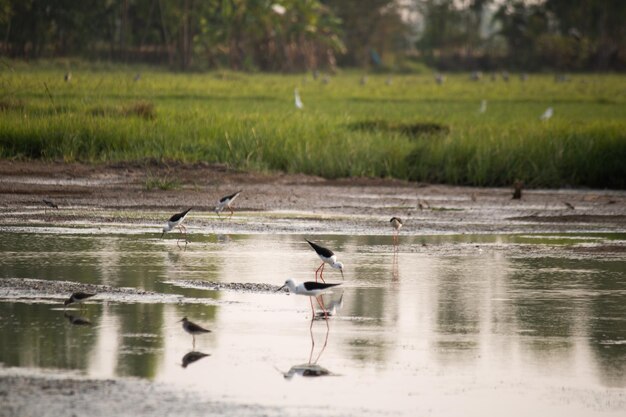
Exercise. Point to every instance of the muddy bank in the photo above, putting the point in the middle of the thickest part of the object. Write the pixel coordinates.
(116, 194)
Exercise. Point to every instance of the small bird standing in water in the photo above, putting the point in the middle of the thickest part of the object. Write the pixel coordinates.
(193, 329)
(396, 223)
(225, 202)
(328, 257)
(177, 221)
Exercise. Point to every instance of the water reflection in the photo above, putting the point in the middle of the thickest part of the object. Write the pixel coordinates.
(482, 312)
(77, 320)
(191, 357)
(311, 368)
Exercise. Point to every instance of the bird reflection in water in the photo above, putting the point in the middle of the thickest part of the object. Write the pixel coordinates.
(77, 320)
(332, 308)
(192, 357)
(311, 368)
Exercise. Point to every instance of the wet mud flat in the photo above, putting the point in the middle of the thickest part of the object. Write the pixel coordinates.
(285, 203)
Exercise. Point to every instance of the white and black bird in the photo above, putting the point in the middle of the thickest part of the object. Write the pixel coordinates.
(193, 329)
(67, 77)
(547, 114)
(311, 289)
(225, 202)
(78, 297)
(298, 100)
(397, 224)
(328, 257)
(176, 221)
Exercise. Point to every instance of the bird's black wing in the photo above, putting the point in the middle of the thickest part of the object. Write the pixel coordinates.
(82, 295)
(230, 197)
(327, 253)
(176, 217)
(193, 327)
(396, 219)
(310, 285)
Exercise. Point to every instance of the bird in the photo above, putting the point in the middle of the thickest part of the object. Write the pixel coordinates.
(547, 114)
(67, 77)
(396, 223)
(50, 204)
(483, 106)
(328, 257)
(299, 104)
(225, 202)
(193, 329)
(192, 357)
(363, 80)
(177, 221)
(137, 77)
(306, 370)
(311, 289)
(389, 80)
(78, 297)
(440, 78)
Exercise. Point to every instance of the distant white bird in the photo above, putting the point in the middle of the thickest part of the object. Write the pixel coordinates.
(299, 104)
(278, 9)
(547, 114)
(483, 106)
(68, 77)
(440, 78)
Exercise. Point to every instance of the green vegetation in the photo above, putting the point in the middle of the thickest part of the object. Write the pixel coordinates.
(412, 129)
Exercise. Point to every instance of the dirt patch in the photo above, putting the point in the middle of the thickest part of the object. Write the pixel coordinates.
(111, 193)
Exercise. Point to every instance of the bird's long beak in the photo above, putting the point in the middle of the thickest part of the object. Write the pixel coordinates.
(280, 288)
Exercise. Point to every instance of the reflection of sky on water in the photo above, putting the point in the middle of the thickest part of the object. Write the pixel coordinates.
(439, 321)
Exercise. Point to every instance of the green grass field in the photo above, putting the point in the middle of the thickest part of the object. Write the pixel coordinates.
(412, 129)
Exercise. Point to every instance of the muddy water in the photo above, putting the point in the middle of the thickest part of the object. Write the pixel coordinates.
(442, 325)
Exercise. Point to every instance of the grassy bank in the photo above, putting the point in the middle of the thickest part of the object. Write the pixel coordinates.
(411, 129)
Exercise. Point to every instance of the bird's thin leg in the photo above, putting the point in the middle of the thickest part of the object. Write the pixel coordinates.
(194, 342)
(321, 303)
(231, 212)
(317, 270)
(322, 272)
(312, 311)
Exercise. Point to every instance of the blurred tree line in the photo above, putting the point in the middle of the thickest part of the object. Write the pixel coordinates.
(292, 35)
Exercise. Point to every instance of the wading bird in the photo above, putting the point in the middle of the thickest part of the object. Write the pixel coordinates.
(176, 221)
(193, 329)
(225, 202)
(396, 223)
(311, 289)
(328, 257)
(78, 297)
(547, 114)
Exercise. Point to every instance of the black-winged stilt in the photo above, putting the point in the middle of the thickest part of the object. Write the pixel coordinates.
(311, 289)
(176, 221)
(193, 329)
(225, 202)
(396, 223)
(78, 297)
(328, 257)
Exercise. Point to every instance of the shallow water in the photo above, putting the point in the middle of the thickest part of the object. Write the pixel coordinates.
(455, 324)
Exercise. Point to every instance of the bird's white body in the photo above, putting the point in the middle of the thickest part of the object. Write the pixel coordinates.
(298, 101)
(396, 223)
(547, 114)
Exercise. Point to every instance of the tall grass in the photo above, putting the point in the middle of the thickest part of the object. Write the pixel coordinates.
(412, 129)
